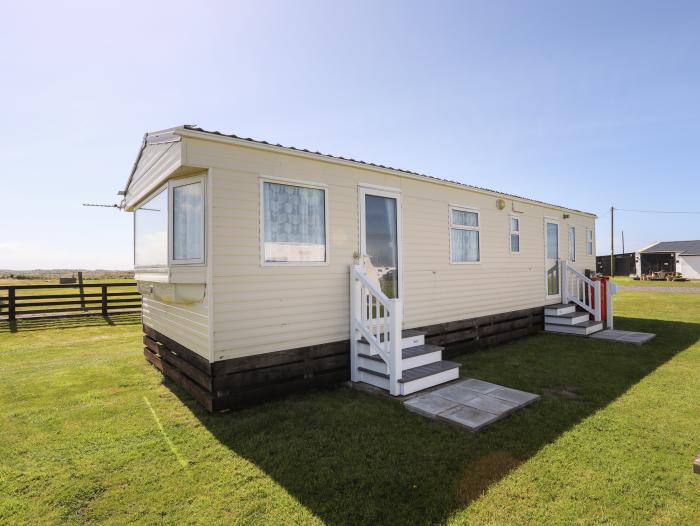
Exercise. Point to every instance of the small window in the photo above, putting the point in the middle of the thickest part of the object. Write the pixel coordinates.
(151, 232)
(188, 222)
(515, 235)
(294, 224)
(572, 243)
(589, 242)
(464, 236)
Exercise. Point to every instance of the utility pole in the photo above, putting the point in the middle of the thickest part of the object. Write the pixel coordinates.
(612, 241)
(623, 241)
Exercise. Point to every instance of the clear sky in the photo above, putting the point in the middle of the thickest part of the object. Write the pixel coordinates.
(585, 104)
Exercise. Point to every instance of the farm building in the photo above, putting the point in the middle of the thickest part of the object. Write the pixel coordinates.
(670, 256)
(268, 269)
(625, 264)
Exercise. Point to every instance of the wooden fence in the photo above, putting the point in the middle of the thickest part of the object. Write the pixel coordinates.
(23, 301)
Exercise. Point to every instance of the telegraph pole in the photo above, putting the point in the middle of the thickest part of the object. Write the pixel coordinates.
(623, 242)
(612, 241)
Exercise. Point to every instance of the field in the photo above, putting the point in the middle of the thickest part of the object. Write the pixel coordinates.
(91, 434)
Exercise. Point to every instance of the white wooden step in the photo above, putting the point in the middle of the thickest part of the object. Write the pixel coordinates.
(409, 338)
(559, 308)
(411, 357)
(571, 318)
(583, 329)
(415, 379)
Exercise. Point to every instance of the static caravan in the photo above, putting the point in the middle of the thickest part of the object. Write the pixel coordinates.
(267, 269)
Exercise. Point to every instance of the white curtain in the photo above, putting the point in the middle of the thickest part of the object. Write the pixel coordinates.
(572, 243)
(465, 245)
(188, 222)
(295, 225)
(464, 218)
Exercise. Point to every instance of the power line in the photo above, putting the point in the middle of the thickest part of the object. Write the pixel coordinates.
(658, 211)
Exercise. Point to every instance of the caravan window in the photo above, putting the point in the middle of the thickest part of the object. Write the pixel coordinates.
(188, 221)
(589, 242)
(294, 224)
(572, 243)
(464, 235)
(514, 235)
(151, 232)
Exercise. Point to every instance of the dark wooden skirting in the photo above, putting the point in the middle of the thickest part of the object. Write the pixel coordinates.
(477, 333)
(245, 381)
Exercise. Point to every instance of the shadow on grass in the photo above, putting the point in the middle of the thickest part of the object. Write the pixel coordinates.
(69, 322)
(354, 458)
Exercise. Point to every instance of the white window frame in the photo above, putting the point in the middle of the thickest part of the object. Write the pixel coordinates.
(158, 268)
(304, 184)
(511, 232)
(450, 226)
(571, 248)
(592, 242)
(171, 215)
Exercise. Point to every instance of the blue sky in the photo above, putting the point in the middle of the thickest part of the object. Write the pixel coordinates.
(586, 104)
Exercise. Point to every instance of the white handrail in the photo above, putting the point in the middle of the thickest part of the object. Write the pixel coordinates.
(377, 318)
(583, 291)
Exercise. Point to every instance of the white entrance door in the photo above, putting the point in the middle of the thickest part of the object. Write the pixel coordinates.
(380, 238)
(551, 260)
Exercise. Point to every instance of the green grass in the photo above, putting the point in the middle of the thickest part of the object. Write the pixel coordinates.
(624, 280)
(90, 433)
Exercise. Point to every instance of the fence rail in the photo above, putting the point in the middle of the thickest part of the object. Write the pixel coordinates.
(16, 303)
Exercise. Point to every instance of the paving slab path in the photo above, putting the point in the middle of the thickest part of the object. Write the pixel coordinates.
(471, 403)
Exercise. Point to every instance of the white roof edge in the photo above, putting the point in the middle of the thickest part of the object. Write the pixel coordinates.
(249, 143)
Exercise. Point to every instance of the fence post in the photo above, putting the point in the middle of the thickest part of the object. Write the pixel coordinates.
(82, 290)
(104, 300)
(11, 310)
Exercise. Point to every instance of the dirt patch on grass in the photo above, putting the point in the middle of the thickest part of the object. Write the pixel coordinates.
(483, 472)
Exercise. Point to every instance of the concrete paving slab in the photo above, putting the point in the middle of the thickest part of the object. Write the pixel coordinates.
(457, 393)
(479, 385)
(520, 398)
(613, 335)
(472, 419)
(429, 404)
(491, 405)
(460, 404)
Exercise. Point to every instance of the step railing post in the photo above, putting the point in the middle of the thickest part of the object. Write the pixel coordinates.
(395, 351)
(598, 301)
(610, 289)
(355, 313)
(564, 284)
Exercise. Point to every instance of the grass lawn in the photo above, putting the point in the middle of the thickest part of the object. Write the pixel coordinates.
(90, 433)
(625, 280)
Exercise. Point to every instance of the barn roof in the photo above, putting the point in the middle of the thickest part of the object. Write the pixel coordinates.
(688, 248)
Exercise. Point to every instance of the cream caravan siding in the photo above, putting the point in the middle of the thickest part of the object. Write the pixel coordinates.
(156, 163)
(260, 309)
(186, 324)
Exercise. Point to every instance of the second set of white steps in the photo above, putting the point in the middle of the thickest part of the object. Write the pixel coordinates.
(422, 365)
(565, 318)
